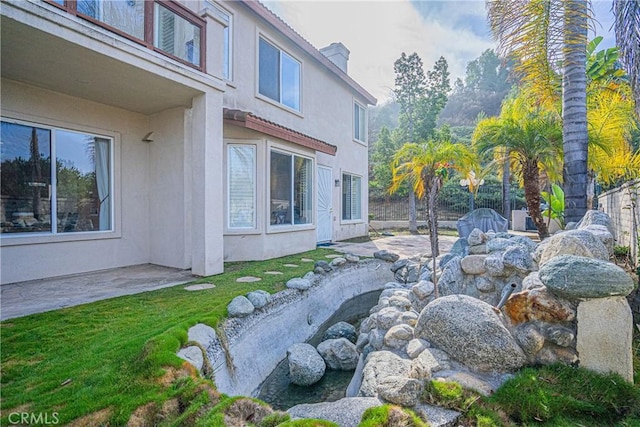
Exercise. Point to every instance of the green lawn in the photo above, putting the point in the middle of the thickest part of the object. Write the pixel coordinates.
(110, 354)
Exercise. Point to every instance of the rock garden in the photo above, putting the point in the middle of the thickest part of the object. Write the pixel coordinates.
(495, 304)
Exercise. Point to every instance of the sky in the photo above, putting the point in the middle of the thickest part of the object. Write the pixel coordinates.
(377, 32)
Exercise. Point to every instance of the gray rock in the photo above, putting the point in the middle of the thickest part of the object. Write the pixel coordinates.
(473, 264)
(386, 256)
(338, 262)
(575, 277)
(471, 382)
(471, 332)
(560, 335)
(532, 281)
(530, 339)
(306, 366)
(400, 390)
(341, 330)
(321, 267)
(594, 217)
(240, 306)
(379, 365)
(444, 260)
(310, 276)
(518, 258)
(376, 338)
(494, 266)
(498, 244)
(363, 340)
(451, 280)
(409, 318)
(483, 284)
(202, 334)
(399, 264)
(460, 248)
(476, 237)
(352, 258)
(397, 337)
(387, 293)
(346, 412)
(339, 354)
(602, 233)
(437, 417)
(525, 242)
(259, 298)
(388, 317)
(299, 283)
(400, 302)
(424, 365)
(478, 249)
(416, 346)
(572, 242)
(193, 355)
(423, 289)
(571, 225)
(425, 271)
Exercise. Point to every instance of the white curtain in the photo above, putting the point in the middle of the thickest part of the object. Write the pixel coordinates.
(102, 179)
(241, 186)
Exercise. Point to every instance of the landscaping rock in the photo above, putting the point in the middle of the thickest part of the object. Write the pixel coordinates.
(524, 241)
(473, 264)
(593, 217)
(471, 382)
(386, 256)
(471, 332)
(498, 244)
(517, 258)
(306, 366)
(424, 365)
(559, 335)
(193, 355)
(435, 416)
(400, 390)
(451, 280)
(259, 298)
(299, 283)
(603, 234)
(380, 365)
(538, 305)
(341, 330)
(397, 337)
(529, 338)
(320, 267)
(346, 412)
(416, 346)
(575, 277)
(388, 317)
(338, 262)
(339, 354)
(240, 306)
(352, 258)
(573, 242)
(494, 265)
(476, 237)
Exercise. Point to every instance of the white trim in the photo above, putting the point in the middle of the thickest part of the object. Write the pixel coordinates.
(357, 220)
(366, 123)
(226, 18)
(228, 227)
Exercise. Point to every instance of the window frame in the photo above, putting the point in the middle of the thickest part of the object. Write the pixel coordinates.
(70, 6)
(226, 18)
(228, 226)
(357, 105)
(281, 51)
(343, 220)
(11, 239)
(291, 226)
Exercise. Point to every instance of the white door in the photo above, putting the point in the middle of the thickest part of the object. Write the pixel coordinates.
(325, 211)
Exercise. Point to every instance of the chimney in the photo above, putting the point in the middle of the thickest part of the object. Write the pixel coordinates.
(338, 54)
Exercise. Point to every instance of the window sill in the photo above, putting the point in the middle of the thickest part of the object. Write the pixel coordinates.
(363, 143)
(241, 231)
(351, 221)
(7, 240)
(274, 229)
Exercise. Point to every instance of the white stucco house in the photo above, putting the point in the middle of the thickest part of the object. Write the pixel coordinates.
(177, 133)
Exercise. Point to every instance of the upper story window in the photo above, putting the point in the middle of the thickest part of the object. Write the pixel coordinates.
(279, 75)
(227, 40)
(164, 26)
(359, 123)
(54, 180)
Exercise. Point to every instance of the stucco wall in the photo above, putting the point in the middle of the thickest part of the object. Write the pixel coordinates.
(51, 256)
(622, 205)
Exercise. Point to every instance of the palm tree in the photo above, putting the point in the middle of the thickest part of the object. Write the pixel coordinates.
(425, 166)
(532, 138)
(545, 35)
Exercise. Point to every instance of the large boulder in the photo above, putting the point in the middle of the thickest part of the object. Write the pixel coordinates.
(471, 332)
(341, 330)
(400, 390)
(346, 412)
(594, 217)
(575, 277)
(452, 278)
(538, 304)
(339, 354)
(259, 298)
(306, 366)
(572, 242)
(380, 365)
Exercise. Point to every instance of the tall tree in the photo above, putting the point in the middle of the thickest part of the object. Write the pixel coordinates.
(410, 90)
(627, 29)
(425, 166)
(545, 35)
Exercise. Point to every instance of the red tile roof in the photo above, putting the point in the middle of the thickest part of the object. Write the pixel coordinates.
(248, 120)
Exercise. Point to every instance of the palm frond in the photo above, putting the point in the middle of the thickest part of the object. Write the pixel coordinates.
(627, 30)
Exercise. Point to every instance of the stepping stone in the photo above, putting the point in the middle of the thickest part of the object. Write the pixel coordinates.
(291, 265)
(332, 256)
(306, 260)
(274, 273)
(248, 279)
(200, 287)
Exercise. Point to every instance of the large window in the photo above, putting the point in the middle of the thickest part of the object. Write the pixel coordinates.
(291, 196)
(241, 186)
(351, 197)
(279, 75)
(49, 173)
(165, 26)
(359, 123)
(227, 39)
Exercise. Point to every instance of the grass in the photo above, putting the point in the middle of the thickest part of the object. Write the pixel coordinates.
(390, 416)
(110, 355)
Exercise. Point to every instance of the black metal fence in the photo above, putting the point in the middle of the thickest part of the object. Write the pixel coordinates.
(453, 203)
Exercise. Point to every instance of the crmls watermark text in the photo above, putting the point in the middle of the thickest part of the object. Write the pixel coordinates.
(29, 418)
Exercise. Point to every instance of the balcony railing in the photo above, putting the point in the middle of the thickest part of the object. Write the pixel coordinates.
(167, 27)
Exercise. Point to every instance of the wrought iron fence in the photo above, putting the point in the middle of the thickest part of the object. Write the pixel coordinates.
(453, 203)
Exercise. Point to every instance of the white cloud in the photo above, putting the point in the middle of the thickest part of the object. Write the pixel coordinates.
(377, 32)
